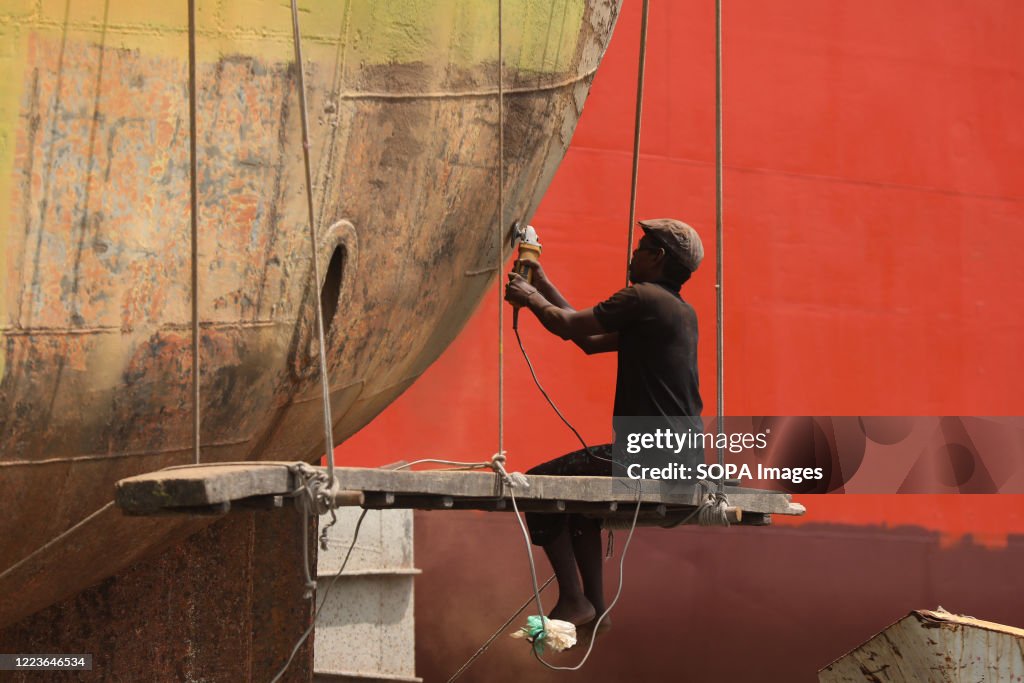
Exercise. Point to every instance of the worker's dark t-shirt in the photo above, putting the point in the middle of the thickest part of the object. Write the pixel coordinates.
(657, 373)
(657, 378)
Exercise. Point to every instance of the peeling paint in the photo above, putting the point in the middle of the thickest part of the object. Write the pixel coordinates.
(96, 319)
(11, 46)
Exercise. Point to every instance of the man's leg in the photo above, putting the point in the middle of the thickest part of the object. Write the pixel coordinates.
(551, 531)
(572, 605)
(586, 546)
(554, 534)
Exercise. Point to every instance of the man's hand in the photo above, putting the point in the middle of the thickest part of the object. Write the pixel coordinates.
(538, 272)
(580, 326)
(518, 291)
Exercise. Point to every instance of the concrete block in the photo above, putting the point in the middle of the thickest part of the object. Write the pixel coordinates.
(367, 626)
(385, 542)
(366, 629)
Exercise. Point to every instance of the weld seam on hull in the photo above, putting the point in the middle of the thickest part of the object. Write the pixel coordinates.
(112, 456)
(114, 329)
(480, 271)
(439, 95)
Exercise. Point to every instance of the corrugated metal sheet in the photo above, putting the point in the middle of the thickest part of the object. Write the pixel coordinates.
(934, 646)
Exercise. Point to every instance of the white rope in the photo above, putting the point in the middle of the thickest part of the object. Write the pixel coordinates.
(499, 464)
(712, 510)
(324, 380)
(437, 461)
(313, 494)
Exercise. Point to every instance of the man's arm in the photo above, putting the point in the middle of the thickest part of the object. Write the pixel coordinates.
(598, 343)
(545, 286)
(581, 327)
(548, 290)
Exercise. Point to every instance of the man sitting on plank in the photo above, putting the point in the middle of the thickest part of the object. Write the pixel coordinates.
(655, 334)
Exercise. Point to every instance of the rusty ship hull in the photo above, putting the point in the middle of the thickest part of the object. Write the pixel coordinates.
(95, 322)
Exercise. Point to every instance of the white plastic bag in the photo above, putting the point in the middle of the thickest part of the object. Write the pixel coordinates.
(554, 633)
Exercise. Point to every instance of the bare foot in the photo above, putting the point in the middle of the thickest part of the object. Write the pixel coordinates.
(576, 612)
(585, 632)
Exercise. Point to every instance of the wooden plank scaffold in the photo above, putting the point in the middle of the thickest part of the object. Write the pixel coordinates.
(216, 489)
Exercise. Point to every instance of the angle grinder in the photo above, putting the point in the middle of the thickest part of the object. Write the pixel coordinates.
(529, 252)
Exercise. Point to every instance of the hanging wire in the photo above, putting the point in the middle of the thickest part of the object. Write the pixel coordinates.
(639, 500)
(636, 137)
(547, 397)
(719, 247)
(194, 219)
(323, 601)
(324, 382)
(501, 629)
(501, 231)
(596, 624)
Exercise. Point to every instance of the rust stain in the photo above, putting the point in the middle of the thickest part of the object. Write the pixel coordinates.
(98, 353)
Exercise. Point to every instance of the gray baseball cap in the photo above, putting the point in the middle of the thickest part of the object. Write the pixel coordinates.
(680, 241)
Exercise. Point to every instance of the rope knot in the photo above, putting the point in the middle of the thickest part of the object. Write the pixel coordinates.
(712, 510)
(315, 488)
(513, 479)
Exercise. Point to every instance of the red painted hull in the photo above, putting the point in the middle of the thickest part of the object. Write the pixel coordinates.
(874, 212)
(759, 605)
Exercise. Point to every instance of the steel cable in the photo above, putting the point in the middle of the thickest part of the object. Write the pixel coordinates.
(194, 224)
(636, 136)
(324, 380)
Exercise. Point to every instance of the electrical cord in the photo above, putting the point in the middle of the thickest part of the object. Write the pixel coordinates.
(494, 636)
(533, 373)
(526, 536)
(618, 593)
